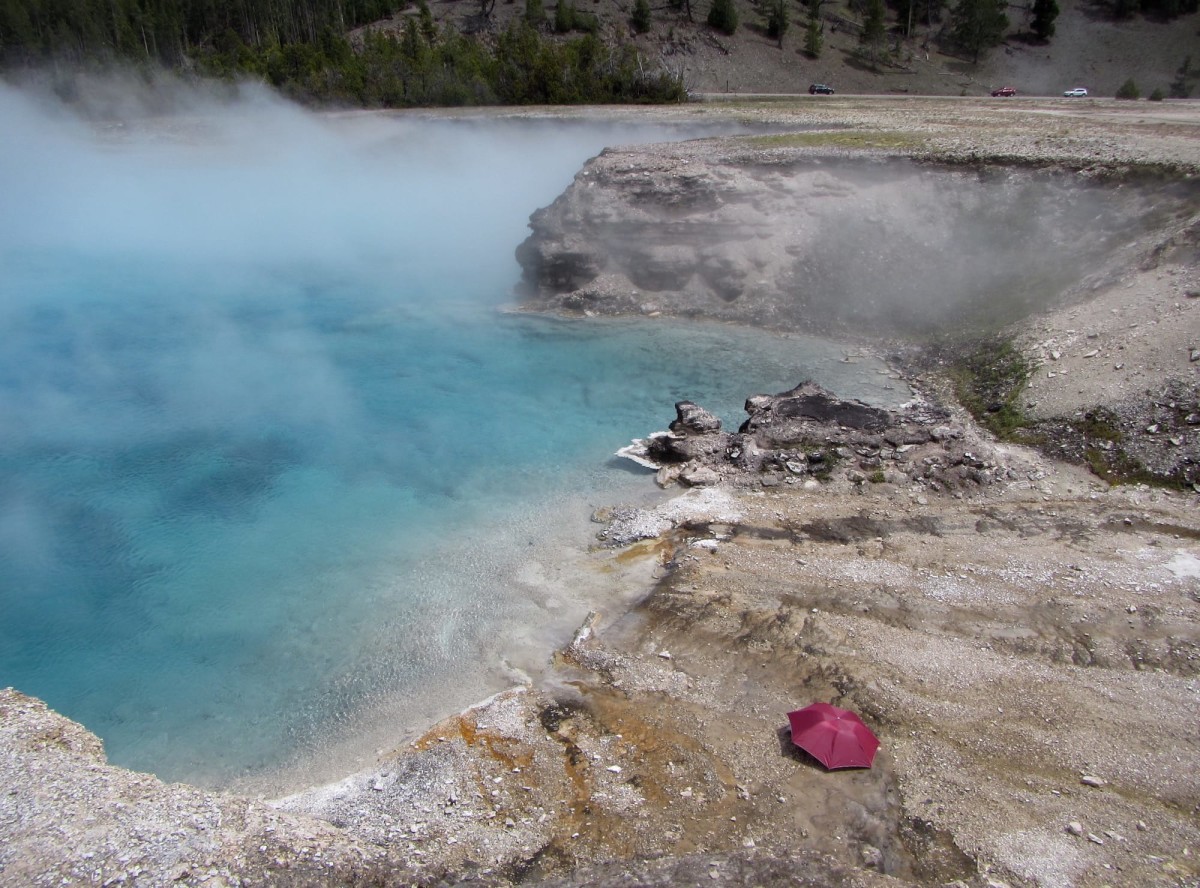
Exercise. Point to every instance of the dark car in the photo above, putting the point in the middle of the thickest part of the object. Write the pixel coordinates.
(820, 89)
(1004, 91)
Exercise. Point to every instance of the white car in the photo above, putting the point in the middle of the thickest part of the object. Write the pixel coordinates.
(1077, 91)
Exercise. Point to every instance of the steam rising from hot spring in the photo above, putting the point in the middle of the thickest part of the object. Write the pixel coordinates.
(272, 463)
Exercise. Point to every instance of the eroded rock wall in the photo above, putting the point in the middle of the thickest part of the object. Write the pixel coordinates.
(791, 239)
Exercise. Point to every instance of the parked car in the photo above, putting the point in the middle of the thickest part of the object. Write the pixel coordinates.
(820, 89)
(1004, 91)
(1076, 92)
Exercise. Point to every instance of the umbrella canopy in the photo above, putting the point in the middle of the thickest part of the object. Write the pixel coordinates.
(836, 738)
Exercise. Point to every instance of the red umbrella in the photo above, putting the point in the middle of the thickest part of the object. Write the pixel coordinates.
(836, 738)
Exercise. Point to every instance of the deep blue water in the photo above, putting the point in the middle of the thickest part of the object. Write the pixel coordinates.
(269, 448)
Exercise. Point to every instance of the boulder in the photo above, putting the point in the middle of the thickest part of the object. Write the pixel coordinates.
(808, 432)
(691, 418)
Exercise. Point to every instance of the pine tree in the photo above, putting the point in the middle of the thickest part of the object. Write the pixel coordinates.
(641, 16)
(564, 17)
(1180, 87)
(428, 28)
(685, 5)
(777, 21)
(814, 31)
(978, 25)
(873, 30)
(723, 16)
(1044, 14)
(1128, 90)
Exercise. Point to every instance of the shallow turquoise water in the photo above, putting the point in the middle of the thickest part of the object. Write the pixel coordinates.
(269, 446)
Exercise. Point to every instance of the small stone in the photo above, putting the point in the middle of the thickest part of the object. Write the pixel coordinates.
(616, 769)
(666, 655)
(871, 856)
(1141, 826)
(1194, 354)
(700, 477)
(1075, 828)
(1095, 839)
(1088, 780)
(1092, 353)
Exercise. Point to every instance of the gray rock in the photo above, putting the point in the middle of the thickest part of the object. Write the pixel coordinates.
(809, 431)
(694, 419)
(700, 477)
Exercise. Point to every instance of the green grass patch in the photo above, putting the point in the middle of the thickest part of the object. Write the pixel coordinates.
(1100, 425)
(989, 379)
(851, 139)
(1117, 467)
(1106, 456)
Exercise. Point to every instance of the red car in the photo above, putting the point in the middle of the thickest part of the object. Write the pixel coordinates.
(1004, 91)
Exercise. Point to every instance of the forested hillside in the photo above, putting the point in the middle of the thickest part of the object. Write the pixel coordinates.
(305, 48)
(171, 31)
(400, 53)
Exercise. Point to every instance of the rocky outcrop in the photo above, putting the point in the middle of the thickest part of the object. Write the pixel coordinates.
(773, 235)
(808, 434)
(71, 818)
